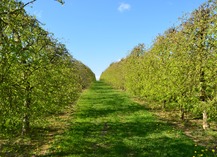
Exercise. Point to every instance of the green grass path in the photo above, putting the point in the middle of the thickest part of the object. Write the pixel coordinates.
(106, 123)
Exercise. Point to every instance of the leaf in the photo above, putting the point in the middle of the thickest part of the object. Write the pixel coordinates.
(61, 1)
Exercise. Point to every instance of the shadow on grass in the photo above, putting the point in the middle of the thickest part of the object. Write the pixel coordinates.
(121, 139)
(108, 124)
(13, 144)
(24, 146)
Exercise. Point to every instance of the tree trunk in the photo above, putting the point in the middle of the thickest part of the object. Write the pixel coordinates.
(26, 124)
(182, 114)
(164, 105)
(203, 99)
(205, 122)
(26, 117)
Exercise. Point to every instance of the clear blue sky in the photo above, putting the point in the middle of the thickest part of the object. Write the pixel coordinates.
(99, 32)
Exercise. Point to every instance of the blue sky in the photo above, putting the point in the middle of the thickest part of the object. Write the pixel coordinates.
(99, 32)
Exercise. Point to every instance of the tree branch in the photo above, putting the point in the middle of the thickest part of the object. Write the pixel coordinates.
(14, 11)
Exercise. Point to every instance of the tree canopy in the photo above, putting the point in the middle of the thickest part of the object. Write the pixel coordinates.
(179, 70)
(38, 75)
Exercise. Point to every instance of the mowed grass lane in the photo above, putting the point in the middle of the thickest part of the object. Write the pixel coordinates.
(106, 123)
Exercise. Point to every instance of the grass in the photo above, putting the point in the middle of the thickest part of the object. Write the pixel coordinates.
(40, 138)
(107, 123)
(191, 126)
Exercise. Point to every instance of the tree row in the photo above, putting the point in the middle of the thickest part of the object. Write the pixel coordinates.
(179, 71)
(38, 76)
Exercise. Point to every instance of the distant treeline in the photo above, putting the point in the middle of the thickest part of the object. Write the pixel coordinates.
(38, 76)
(179, 71)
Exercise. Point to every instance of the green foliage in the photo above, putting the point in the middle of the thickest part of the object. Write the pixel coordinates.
(38, 76)
(179, 71)
(86, 76)
(61, 1)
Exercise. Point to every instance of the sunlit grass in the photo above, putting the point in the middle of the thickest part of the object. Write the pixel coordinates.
(107, 123)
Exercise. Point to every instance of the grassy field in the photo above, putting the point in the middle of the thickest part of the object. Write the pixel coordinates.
(107, 123)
